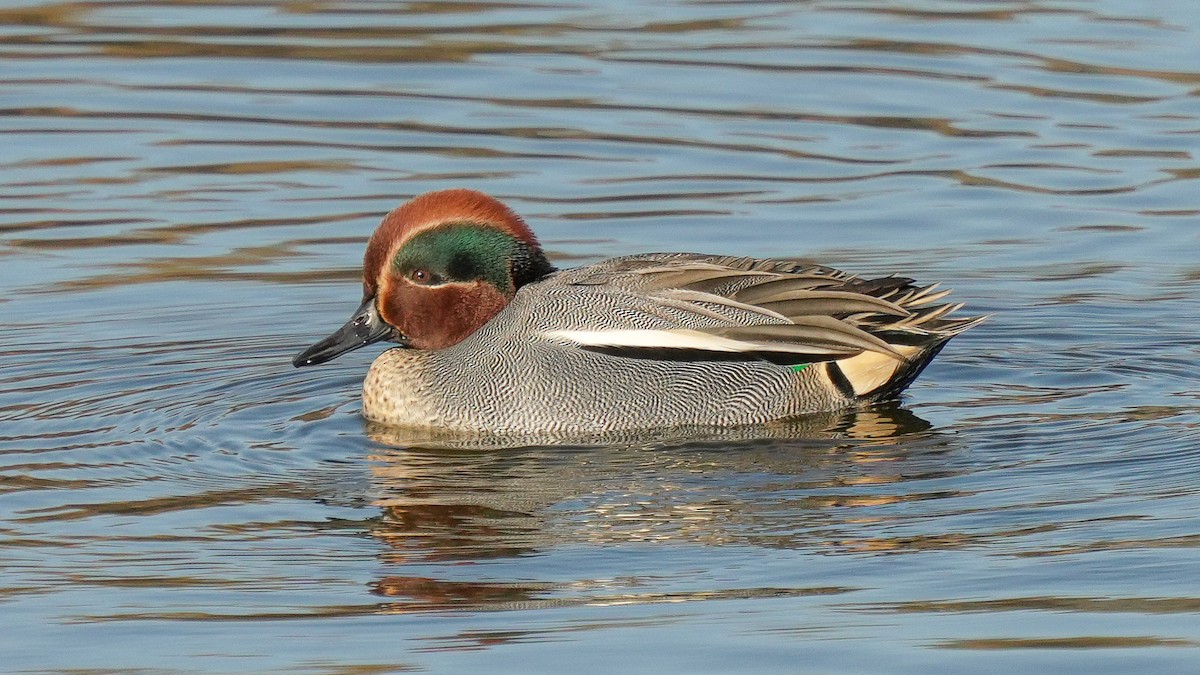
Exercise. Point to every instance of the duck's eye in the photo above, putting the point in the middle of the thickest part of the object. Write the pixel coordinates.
(422, 276)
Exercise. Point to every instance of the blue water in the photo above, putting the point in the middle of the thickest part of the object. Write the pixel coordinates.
(185, 193)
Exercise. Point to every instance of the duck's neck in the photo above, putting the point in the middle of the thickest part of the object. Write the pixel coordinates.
(529, 264)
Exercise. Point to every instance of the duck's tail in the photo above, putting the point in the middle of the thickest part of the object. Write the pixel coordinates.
(917, 337)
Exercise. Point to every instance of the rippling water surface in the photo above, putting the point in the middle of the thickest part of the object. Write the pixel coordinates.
(185, 192)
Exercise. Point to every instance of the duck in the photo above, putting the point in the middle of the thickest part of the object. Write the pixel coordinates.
(490, 337)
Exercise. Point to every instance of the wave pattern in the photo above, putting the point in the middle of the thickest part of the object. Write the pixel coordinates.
(185, 190)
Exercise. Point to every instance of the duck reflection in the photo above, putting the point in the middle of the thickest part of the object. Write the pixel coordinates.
(446, 498)
(456, 499)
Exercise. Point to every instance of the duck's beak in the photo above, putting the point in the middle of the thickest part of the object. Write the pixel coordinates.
(365, 327)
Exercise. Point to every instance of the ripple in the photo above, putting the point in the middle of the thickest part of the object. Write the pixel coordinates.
(186, 194)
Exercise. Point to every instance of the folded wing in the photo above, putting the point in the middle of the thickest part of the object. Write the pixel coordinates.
(877, 333)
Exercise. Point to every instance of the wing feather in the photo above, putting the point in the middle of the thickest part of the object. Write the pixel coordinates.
(787, 311)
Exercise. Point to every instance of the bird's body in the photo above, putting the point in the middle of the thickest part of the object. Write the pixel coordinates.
(638, 342)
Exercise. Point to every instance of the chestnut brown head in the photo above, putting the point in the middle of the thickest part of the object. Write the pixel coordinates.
(436, 270)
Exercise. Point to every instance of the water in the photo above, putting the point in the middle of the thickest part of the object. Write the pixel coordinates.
(185, 192)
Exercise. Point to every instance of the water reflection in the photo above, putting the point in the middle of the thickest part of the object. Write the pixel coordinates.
(423, 594)
(786, 485)
(184, 186)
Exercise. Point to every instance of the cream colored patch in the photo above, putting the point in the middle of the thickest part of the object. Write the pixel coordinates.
(871, 370)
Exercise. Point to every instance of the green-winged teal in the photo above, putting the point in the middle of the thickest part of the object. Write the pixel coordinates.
(492, 338)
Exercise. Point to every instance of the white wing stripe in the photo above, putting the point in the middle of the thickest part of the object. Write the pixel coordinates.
(684, 339)
(661, 339)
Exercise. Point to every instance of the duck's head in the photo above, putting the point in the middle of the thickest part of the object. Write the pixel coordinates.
(436, 269)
